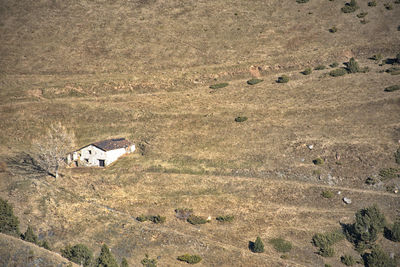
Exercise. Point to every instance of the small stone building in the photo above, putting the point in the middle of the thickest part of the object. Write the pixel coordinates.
(101, 153)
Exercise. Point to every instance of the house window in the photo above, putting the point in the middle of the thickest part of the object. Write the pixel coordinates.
(90, 152)
(101, 162)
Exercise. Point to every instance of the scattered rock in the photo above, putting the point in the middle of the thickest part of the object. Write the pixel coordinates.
(347, 200)
(339, 192)
(310, 147)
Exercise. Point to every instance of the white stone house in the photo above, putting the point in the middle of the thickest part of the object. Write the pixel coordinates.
(101, 153)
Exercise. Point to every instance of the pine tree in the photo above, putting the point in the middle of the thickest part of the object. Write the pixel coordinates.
(258, 245)
(30, 235)
(106, 259)
(8, 222)
(79, 254)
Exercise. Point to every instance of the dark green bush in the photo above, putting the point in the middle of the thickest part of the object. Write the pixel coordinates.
(106, 259)
(327, 239)
(191, 259)
(219, 85)
(307, 71)
(193, 219)
(352, 66)
(362, 15)
(393, 233)
(350, 7)
(257, 246)
(8, 222)
(378, 258)
(151, 218)
(80, 254)
(241, 119)
(318, 161)
(283, 79)
(388, 173)
(320, 67)
(225, 218)
(29, 235)
(254, 81)
(372, 3)
(302, 1)
(183, 213)
(147, 262)
(327, 194)
(388, 6)
(333, 29)
(326, 252)
(334, 65)
(372, 180)
(347, 260)
(397, 156)
(281, 245)
(124, 263)
(392, 88)
(337, 72)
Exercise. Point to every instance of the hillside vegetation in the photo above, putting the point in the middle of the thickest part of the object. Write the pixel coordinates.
(263, 114)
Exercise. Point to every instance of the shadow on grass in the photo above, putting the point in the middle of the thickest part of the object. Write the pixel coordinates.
(23, 164)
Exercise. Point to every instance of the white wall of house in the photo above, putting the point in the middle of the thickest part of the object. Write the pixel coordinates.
(91, 155)
(113, 155)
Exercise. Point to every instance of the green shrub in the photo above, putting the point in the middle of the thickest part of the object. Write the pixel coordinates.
(106, 259)
(347, 260)
(333, 29)
(241, 119)
(327, 194)
(219, 85)
(307, 71)
(193, 219)
(397, 156)
(257, 246)
(388, 173)
(327, 239)
(29, 235)
(350, 7)
(281, 245)
(393, 233)
(80, 254)
(254, 81)
(320, 67)
(393, 71)
(326, 252)
(334, 65)
(8, 222)
(283, 79)
(327, 265)
(378, 258)
(377, 57)
(225, 218)
(362, 15)
(372, 181)
(45, 244)
(191, 259)
(124, 263)
(352, 66)
(392, 88)
(151, 218)
(372, 3)
(388, 6)
(318, 161)
(147, 262)
(337, 72)
(302, 1)
(183, 213)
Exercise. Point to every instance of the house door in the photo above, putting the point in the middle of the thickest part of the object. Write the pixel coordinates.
(101, 162)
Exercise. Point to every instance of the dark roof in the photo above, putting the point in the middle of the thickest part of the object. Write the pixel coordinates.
(112, 144)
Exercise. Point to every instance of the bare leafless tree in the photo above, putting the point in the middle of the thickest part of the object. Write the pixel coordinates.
(50, 151)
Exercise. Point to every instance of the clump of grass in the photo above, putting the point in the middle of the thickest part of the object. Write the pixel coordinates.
(362, 15)
(392, 88)
(389, 173)
(320, 67)
(364, 21)
(371, 180)
(333, 29)
(318, 161)
(151, 218)
(147, 262)
(388, 6)
(281, 245)
(350, 7)
(191, 259)
(254, 81)
(225, 218)
(334, 65)
(347, 260)
(307, 71)
(183, 213)
(372, 3)
(302, 1)
(219, 85)
(393, 71)
(327, 194)
(283, 79)
(337, 72)
(193, 219)
(240, 119)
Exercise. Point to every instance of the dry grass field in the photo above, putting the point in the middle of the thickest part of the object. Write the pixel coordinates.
(141, 69)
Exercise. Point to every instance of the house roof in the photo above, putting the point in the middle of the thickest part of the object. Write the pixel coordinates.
(112, 144)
